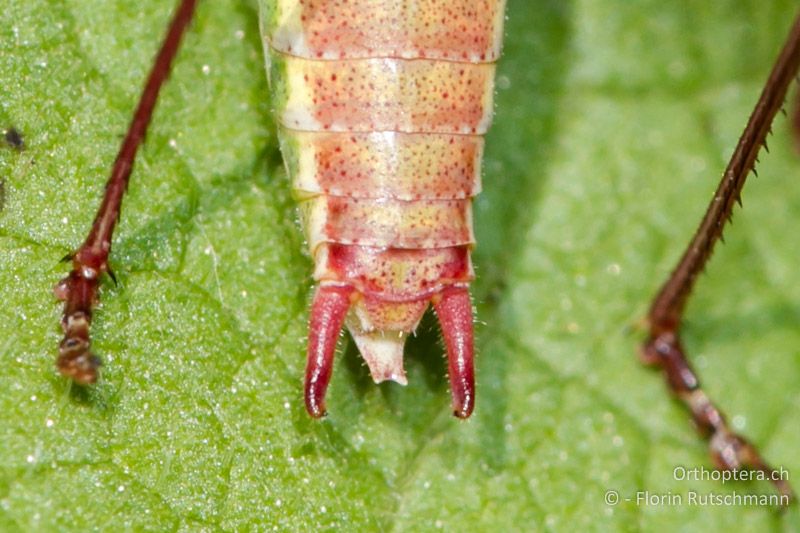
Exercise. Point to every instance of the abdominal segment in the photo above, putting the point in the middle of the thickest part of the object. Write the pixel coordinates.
(382, 106)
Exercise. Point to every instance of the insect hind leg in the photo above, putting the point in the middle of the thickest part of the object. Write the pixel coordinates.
(663, 347)
(79, 290)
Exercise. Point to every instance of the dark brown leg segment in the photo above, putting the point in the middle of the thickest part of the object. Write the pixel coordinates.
(90, 261)
(663, 346)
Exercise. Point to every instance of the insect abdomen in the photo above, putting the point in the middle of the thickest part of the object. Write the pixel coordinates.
(381, 107)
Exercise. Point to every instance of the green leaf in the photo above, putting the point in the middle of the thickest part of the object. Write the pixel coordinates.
(614, 122)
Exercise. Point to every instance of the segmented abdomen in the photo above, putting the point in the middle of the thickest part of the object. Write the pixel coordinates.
(382, 106)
